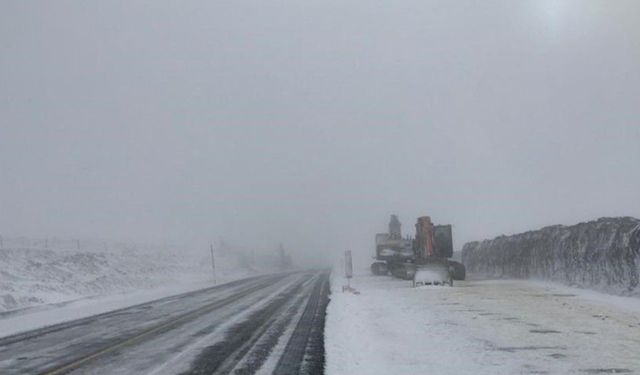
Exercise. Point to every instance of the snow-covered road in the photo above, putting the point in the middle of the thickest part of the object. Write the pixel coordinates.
(479, 327)
(241, 326)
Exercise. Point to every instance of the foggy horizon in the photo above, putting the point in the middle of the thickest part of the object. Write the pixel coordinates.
(308, 124)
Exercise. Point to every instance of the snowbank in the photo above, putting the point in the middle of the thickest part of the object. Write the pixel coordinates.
(602, 255)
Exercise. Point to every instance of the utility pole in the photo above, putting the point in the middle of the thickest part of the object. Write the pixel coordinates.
(1, 242)
(213, 266)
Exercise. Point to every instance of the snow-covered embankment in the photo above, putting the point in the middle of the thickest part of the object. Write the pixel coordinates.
(602, 255)
(32, 276)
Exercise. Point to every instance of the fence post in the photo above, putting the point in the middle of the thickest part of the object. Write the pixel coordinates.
(348, 267)
(213, 266)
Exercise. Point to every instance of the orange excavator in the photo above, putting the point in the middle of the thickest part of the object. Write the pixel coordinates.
(423, 259)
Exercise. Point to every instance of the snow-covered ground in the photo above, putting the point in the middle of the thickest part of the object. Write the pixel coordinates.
(41, 286)
(32, 277)
(479, 327)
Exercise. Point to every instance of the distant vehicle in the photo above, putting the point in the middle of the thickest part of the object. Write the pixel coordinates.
(423, 259)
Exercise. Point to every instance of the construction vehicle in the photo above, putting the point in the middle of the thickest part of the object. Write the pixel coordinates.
(423, 259)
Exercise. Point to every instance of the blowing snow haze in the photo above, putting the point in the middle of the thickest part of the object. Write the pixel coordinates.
(308, 123)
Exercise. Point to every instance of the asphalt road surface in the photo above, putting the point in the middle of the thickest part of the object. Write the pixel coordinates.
(263, 325)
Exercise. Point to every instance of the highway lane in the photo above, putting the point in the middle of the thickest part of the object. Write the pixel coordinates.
(240, 326)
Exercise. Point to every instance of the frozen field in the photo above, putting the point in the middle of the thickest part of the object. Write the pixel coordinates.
(479, 327)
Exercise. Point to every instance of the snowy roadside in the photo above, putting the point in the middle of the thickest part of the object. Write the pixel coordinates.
(478, 327)
(50, 314)
(47, 315)
(36, 277)
(41, 287)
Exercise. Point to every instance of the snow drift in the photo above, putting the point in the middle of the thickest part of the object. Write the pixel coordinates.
(602, 255)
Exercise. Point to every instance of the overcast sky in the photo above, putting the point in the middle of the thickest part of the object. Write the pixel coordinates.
(309, 122)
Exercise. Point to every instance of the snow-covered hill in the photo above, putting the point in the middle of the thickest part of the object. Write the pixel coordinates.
(602, 255)
(36, 276)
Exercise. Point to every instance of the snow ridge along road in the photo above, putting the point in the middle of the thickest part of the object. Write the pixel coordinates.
(241, 327)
